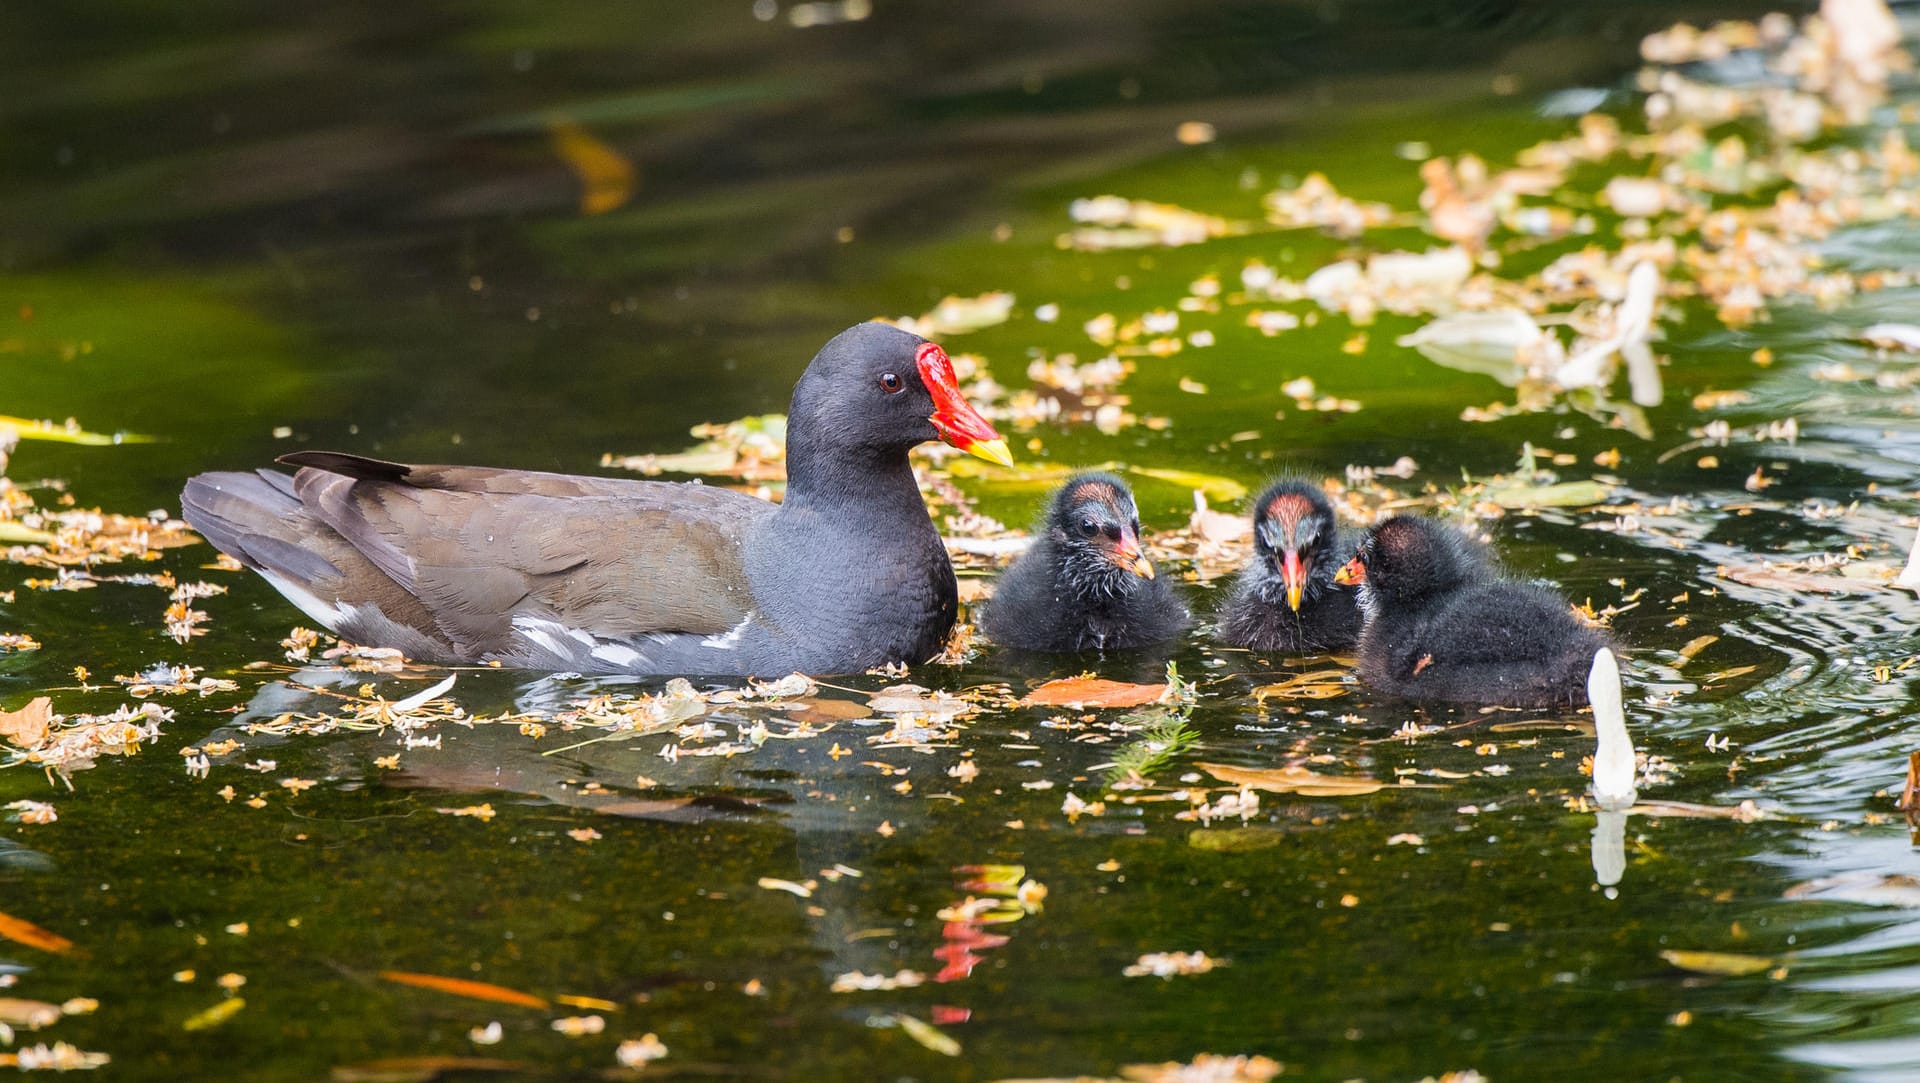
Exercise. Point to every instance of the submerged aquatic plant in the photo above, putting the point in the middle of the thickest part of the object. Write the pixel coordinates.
(1163, 733)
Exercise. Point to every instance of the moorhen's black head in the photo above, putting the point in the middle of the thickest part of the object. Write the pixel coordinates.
(876, 388)
(1407, 558)
(1294, 533)
(1094, 527)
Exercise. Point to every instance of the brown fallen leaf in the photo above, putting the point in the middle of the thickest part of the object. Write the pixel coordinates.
(1217, 526)
(1293, 779)
(820, 710)
(465, 987)
(31, 1014)
(915, 700)
(975, 589)
(33, 936)
(1745, 812)
(1778, 578)
(643, 809)
(420, 1069)
(1910, 795)
(1725, 963)
(27, 727)
(1868, 889)
(1093, 692)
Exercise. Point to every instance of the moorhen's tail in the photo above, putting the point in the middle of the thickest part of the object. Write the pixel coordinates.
(259, 520)
(256, 519)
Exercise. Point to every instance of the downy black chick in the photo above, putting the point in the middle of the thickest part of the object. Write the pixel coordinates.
(1443, 623)
(1084, 584)
(1285, 599)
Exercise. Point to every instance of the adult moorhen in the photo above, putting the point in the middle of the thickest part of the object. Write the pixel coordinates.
(1285, 599)
(1084, 584)
(599, 575)
(1443, 624)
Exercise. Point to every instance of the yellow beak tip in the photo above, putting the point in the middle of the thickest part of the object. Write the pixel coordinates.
(994, 451)
(1293, 599)
(1143, 568)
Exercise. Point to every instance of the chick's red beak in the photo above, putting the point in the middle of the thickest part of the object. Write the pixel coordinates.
(1127, 555)
(1295, 577)
(958, 422)
(1351, 573)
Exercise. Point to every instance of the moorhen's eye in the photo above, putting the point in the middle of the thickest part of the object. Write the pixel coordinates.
(891, 383)
(1089, 528)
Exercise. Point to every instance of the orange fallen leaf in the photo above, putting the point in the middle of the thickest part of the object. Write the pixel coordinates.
(1293, 779)
(607, 178)
(591, 1004)
(33, 936)
(465, 987)
(27, 727)
(1093, 692)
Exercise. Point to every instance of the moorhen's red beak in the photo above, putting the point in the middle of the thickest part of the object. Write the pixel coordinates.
(959, 423)
(1351, 573)
(1295, 577)
(1128, 555)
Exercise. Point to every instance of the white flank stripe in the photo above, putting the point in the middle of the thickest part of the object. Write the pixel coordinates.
(306, 601)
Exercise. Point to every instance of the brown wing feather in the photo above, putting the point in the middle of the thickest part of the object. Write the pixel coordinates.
(609, 556)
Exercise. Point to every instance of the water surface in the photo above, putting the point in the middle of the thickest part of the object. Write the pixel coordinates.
(243, 233)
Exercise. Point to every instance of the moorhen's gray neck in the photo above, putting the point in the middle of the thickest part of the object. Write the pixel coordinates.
(866, 478)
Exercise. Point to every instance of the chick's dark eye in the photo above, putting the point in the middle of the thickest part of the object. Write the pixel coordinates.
(891, 383)
(1089, 528)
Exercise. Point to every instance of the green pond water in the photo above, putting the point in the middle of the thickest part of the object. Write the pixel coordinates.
(349, 224)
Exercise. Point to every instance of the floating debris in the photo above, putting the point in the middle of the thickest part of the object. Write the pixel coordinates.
(1172, 964)
(1614, 767)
